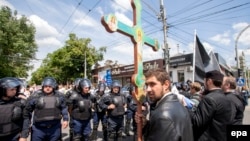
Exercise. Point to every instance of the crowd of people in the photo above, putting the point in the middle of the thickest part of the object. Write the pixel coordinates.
(188, 111)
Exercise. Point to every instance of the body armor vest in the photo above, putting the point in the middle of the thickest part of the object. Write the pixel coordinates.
(82, 111)
(98, 100)
(7, 126)
(47, 108)
(132, 105)
(119, 106)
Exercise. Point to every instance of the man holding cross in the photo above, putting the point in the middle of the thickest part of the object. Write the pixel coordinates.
(138, 38)
(168, 119)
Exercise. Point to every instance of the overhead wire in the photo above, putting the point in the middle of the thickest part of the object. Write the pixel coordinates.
(188, 8)
(172, 25)
(29, 7)
(191, 35)
(78, 4)
(90, 10)
(221, 48)
(206, 15)
(201, 11)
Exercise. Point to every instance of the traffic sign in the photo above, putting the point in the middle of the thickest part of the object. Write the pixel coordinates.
(240, 82)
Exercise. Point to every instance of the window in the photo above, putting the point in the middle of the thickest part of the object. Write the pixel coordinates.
(170, 74)
(180, 76)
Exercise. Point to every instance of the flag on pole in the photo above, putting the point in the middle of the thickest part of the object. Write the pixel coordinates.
(200, 60)
(213, 63)
(108, 78)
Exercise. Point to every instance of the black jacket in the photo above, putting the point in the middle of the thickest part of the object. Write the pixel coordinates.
(212, 116)
(168, 120)
(238, 107)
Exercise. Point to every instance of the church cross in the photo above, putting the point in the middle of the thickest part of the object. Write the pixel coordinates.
(138, 38)
(112, 24)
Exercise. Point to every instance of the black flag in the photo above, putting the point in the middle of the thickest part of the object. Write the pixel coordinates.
(201, 60)
(213, 64)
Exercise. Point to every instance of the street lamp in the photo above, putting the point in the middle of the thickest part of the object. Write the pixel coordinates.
(236, 48)
(247, 72)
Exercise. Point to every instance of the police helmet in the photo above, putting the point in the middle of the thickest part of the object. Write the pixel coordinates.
(84, 83)
(178, 86)
(76, 82)
(49, 81)
(184, 85)
(101, 86)
(8, 82)
(116, 83)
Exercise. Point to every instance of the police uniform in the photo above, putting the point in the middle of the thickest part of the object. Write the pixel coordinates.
(116, 115)
(81, 104)
(11, 109)
(130, 113)
(48, 110)
(68, 101)
(99, 113)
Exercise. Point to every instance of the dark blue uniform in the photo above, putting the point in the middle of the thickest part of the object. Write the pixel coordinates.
(68, 94)
(81, 111)
(11, 120)
(99, 112)
(11, 109)
(130, 114)
(115, 116)
(48, 110)
(99, 115)
(115, 104)
(81, 115)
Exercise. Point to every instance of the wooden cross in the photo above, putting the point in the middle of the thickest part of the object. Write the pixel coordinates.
(138, 38)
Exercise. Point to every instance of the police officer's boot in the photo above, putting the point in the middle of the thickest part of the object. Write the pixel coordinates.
(111, 136)
(71, 134)
(119, 135)
(127, 127)
(86, 138)
(77, 138)
(94, 133)
(71, 131)
(105, 132)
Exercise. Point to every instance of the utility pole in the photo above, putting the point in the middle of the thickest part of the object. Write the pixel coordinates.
(178, 49)
(165, 48)
(85, 66)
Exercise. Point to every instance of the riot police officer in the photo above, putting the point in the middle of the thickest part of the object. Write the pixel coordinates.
(11, 109)
(49, 106)
(131, 109)
(82, 104)
(74, 89)
(99, 113)
(68, 94)
(115, 104)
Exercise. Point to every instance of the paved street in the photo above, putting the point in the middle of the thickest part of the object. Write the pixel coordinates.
(246, 120)
(66, 137)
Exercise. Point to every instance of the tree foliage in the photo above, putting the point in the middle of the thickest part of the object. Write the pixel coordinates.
(17, 44)
(67, 63)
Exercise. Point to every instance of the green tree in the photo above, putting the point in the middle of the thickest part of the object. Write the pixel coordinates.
(67, 63)
(17, 44)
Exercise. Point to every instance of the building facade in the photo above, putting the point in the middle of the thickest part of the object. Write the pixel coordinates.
(180, 69)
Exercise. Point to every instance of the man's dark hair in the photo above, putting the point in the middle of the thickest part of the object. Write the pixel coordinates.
(216, 77)
(160, 74)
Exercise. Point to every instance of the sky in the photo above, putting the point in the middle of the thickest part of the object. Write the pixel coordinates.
(217, 23)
